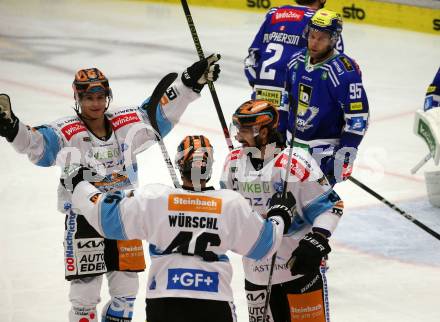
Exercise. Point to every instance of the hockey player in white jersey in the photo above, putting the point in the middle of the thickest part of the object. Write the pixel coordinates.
(257, 170)
(189, 229)
(109, 142)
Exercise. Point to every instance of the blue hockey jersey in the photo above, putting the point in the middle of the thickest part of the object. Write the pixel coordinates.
(332, 106)
(432, 98)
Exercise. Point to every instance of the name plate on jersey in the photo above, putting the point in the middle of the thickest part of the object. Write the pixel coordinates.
(270, 95)
(194, 203)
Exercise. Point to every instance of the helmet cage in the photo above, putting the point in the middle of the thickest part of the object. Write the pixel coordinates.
(194, 158)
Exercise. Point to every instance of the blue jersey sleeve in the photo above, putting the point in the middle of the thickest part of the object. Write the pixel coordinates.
(353, 100)
(432, 99)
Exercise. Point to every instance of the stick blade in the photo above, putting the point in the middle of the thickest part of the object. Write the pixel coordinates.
(158, 92)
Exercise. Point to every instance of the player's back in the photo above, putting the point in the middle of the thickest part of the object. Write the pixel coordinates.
(189, 234)
(281, 35)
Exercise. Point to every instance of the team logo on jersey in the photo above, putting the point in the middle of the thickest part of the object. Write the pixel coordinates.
(193, 280)
(283, 15)
(70, 130)
(305, 121)
(304, 98)
(194, 203)
(123, 120)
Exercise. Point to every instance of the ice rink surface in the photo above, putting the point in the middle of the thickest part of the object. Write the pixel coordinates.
(383, 268)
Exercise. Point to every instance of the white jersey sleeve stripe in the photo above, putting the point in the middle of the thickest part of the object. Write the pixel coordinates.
(319, 205)
(264, 243)
(110, 216)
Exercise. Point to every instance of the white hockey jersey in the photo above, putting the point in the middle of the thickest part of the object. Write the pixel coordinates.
(189, 234)
(317, 205)
(68, 142)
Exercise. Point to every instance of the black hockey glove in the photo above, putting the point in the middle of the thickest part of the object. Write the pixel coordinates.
(72, 179)
(282, 207)
(199, 73)
(307, 257)
(8, 121)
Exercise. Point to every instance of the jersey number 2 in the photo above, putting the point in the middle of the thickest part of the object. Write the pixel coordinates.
(266, 73)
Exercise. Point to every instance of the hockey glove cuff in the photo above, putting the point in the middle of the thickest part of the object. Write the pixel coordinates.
(250, 65)
(339, 167)
(307, 257)
(8, 121)
(199, 73)
(77, 175)
(282, 207)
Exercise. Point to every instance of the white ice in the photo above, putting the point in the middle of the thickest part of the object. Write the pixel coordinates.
(382, 268)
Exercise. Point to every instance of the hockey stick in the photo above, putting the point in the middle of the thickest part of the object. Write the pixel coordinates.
(151, 108)
(421, 163)
(394, 207)
(286, 179)
(199, 49)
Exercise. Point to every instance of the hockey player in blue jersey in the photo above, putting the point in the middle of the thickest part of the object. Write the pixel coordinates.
(327, 98)
(279, 37)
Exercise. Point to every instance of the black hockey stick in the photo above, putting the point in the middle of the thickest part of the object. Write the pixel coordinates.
(199, 49)
(394, 207)
(151, 108)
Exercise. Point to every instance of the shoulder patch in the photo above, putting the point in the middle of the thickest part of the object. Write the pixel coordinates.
(347, 64)
(296, 168)
(287, 14)
(123, 120)
(72, 129)
(431, 89)
(235, 154)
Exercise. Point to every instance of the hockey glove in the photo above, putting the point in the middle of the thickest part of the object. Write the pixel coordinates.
(338, 168)
(282, 207)
(307, 257)
(250, 65)
(72, 179)
(199, 73)
(8, 121)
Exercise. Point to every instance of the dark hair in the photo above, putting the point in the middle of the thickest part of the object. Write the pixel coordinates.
(305, 2)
